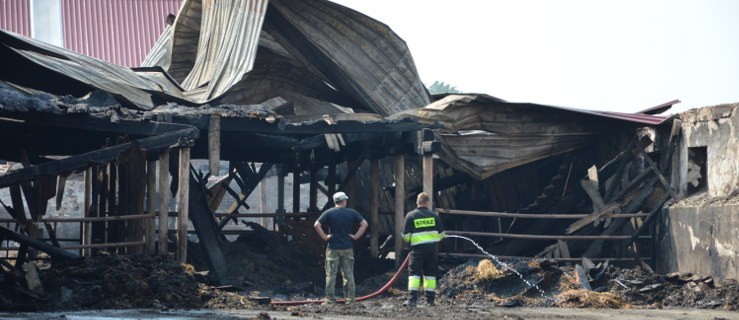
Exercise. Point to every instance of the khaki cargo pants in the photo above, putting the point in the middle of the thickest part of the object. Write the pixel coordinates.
(340, 260)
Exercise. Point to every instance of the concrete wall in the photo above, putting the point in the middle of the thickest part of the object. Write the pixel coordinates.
(700, 239)
(700, 232)
(717, 129)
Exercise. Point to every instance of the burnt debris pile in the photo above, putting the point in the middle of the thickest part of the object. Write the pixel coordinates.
(604, 286)
(116, 282)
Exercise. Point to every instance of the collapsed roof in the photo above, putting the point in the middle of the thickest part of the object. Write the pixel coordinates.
(302, 60)
(242, 52)
(484, 135)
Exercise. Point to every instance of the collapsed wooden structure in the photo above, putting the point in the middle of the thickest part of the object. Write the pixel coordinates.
(281, 91)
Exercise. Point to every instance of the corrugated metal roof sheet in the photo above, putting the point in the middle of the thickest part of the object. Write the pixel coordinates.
(127, 84)
(515, 133)
(358, 54)
(213, 45)
(117, 31)
(448, 102)
(15, 16)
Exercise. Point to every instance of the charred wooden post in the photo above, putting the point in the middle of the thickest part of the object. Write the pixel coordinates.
(111, 228)
(331, 179)
(399, 206)
(205, 227)
(428, 177)
(313, 190)
(263, 202)
(183, 204)
(426, 147)
(100, 192)
(280, 194)
(87, 226)
(214, 144)
(351, 190)
(163, 200)
(296, 186)
(55, 253)
(137, 181)
(151, 193)
(374, 206)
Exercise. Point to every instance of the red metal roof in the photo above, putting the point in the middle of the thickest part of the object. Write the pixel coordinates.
(15, 16)
(117, 31)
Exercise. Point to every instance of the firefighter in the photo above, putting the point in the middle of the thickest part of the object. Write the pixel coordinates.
(423, 230)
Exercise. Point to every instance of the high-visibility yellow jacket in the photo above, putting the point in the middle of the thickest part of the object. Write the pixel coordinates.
(422, 226)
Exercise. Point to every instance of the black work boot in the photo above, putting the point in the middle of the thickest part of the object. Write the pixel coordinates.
(430, 298)
(411, 302)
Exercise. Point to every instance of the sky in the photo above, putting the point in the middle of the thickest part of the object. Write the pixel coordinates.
(624, 55)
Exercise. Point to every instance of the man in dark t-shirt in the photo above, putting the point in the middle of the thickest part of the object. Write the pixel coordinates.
(340, 221)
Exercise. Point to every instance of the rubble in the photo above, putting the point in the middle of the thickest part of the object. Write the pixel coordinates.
(121, 282)
(616, 288)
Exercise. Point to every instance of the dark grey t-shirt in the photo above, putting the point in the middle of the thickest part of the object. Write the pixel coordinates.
(340, 223)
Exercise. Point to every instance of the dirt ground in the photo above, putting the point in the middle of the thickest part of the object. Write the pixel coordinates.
(480, 312)
(275, 269)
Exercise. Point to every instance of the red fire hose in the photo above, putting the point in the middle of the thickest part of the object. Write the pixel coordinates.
(369, 296)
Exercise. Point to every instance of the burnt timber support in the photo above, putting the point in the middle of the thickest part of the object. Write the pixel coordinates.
(296, 184)
(426, 148)
(352, 168)
(313, 193)
(263, 202)
(151, 193)
(399, 206)
(214, 145)
(248, 180)
(280, 194)
(428, 177)
(87, 226)
(57, 167)
(164, 196)
(183, 203)
(331, 179)
(374, 206)
(205, 227)
(55, 253)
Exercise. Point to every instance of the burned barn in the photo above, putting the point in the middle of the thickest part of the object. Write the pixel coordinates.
(286, 102)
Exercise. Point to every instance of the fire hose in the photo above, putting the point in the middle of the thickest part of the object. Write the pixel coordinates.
(362, 298)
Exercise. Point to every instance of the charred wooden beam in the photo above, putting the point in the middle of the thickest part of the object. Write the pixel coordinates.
(99, 156)
(87, 227)
(536, 215)
(399, 206)
(205, 227)
(252, 181)
(164, 197)
(214, 145)
(151, 193)
(351, 171)
(374, 207)
(296, 187)
(596, 247)
(54, 252)
(540, 236)
(183, 204)
(602, 213)
(313, 190)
